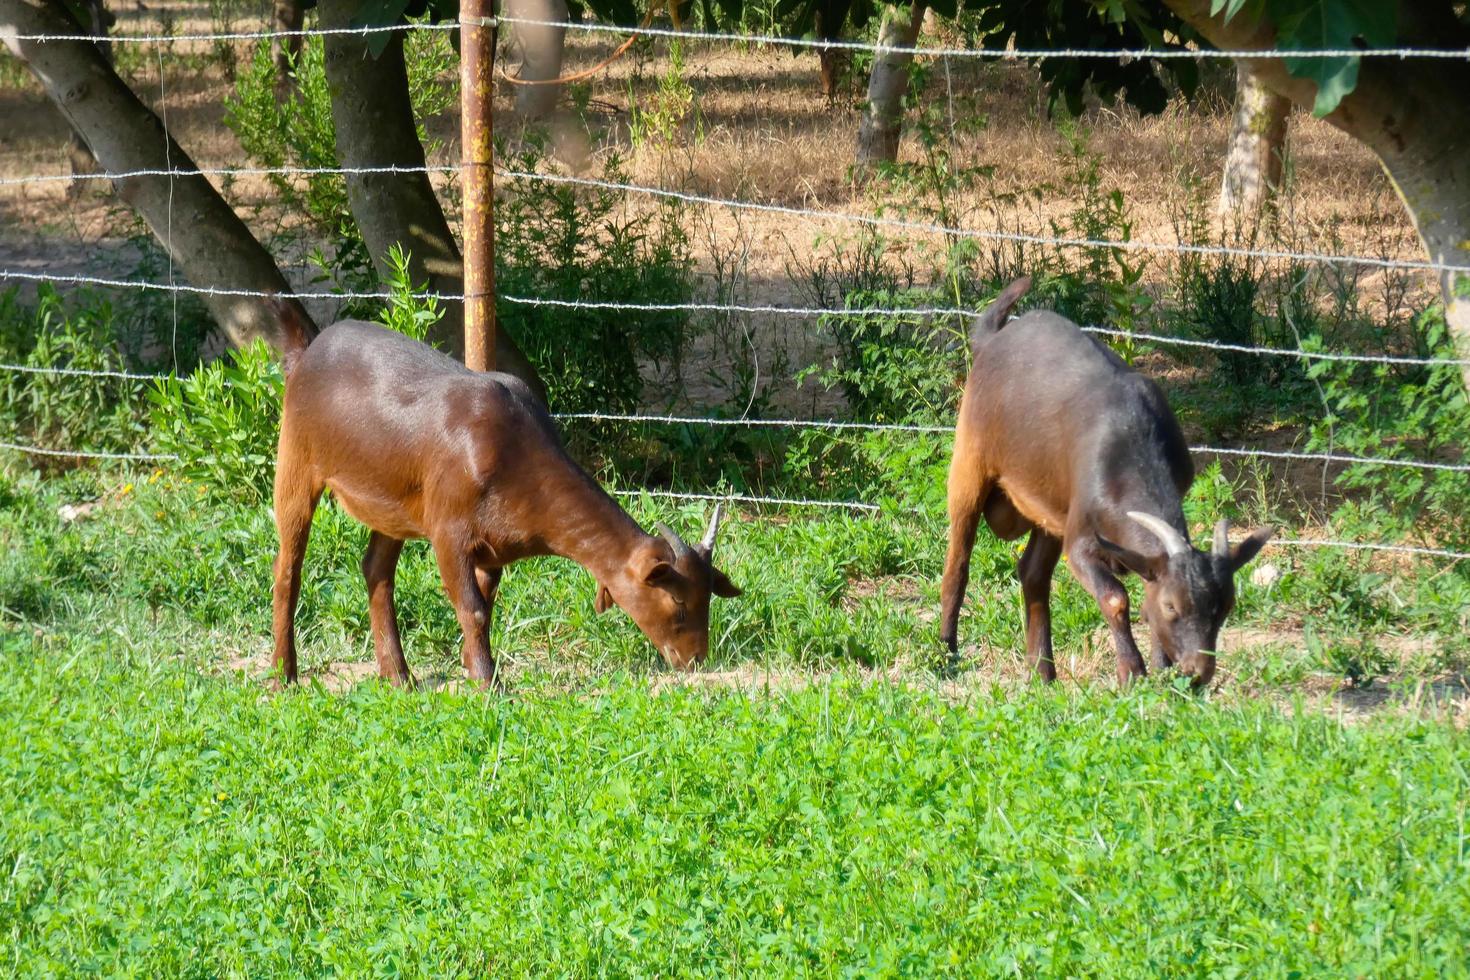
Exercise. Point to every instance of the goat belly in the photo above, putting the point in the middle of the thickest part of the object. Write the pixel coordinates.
(1035, 508)
(382, 513)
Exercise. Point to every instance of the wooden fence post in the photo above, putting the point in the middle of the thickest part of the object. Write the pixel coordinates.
(477, 35)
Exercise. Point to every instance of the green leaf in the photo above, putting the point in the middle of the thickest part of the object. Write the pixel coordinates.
(1333, 24)
(380, 13)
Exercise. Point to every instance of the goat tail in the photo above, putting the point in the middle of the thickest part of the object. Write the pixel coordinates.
(995, 314)
(297, 330)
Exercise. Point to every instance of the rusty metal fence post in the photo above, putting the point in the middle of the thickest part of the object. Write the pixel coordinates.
(477, 35)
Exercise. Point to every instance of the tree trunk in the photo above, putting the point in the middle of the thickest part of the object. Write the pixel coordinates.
(375, 128)
(286, 15)
(78, 153)
(1253, 160)
(882, 123)
(1414, 114)
(207, 240)
(829, 19)
(540, 52)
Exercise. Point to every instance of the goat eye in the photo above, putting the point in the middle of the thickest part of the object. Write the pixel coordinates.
(1170, 611)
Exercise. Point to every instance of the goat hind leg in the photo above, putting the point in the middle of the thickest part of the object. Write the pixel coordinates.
(295, 503)
(967, 491)
(378, 567)
(1035, 568)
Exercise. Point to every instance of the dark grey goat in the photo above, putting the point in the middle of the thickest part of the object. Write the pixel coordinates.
(1059, 437)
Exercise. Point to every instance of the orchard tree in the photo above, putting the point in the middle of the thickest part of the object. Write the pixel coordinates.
(206, 239)
(1146, 84)
(1256, 153)
(1414, 113)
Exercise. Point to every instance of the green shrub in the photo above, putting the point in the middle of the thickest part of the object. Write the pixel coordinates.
(66, 411)
(222, 422)
(299, 133)
(1375, 411)
(556, 242)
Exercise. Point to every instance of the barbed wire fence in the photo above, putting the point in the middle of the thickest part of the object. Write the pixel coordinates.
(881, 221)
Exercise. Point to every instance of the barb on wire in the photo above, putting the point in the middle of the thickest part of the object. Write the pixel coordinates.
(771, 40)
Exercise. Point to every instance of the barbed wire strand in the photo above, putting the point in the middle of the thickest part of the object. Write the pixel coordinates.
(839, 425)
(85, 453)
(696, 307)
(304, 32)
(901, 224)
(756, 500)
(1003, 54)
(1024, 238)
(771, 40)
(81, 372)
(230, 172)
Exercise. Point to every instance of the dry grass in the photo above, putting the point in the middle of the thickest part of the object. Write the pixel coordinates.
(768, 135)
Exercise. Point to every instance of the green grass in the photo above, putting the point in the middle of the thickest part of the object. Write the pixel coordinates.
(159, 822)
(164, 816)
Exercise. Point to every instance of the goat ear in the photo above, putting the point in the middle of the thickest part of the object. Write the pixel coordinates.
(1144, 567)
(657, 572)
(1249, 548)
(721, 585)
(604, 600)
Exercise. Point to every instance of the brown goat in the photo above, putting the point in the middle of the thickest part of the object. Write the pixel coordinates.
(415, 445)
(1059, 437)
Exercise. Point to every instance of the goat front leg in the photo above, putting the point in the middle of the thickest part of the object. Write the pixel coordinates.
(378, 567)
(1112, 598)
(462, 582)
(1035, 569)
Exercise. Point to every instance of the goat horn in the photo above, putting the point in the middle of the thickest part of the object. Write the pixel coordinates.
(677, 543)
(707, 546)
(1222, 538)
(1174, 543)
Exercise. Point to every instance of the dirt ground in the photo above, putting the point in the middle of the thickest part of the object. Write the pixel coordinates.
(1446, 697)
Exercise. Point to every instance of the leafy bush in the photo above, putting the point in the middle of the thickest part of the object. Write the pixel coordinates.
(555, 242)
(300, 133)
(223, 420)
(895, 367)
(1377, 412)
(66, 411)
